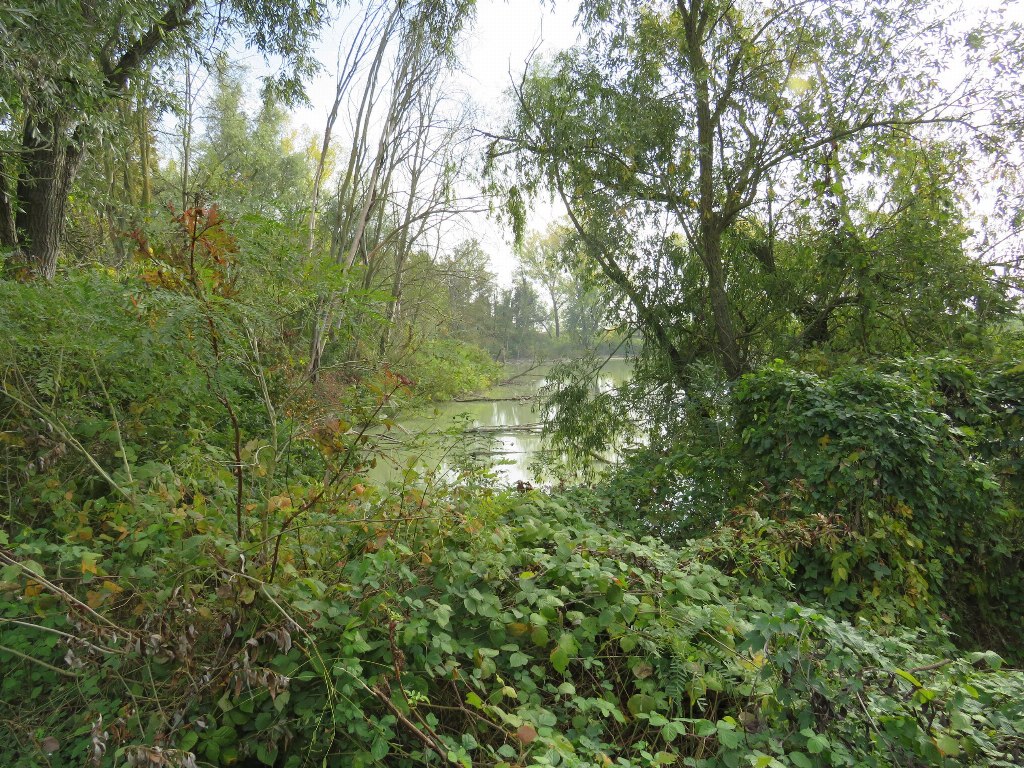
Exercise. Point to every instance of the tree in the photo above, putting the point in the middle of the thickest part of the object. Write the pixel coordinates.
(68, 66)
(249, 164)
(540, 259)
(402, 51)
(679, 130)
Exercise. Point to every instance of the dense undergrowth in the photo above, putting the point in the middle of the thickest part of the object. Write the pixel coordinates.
(890, 492)
(193, 570)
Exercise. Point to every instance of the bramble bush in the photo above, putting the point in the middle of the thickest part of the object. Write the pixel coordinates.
(927, 532)
(891, 493)
(495, 630)
(194, 572)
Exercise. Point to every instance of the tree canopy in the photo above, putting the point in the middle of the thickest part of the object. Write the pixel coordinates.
(742, 173)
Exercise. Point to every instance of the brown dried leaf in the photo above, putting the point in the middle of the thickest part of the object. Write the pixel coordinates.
(526, 733)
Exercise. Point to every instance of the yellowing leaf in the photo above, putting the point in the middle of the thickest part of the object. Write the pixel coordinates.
(33, 589)
(275, 503)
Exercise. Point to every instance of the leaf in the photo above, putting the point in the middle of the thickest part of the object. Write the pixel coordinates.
(380, 747)
(275, 503)
(641, 703)
(908, 677)
(947, 745)
(89, 563)
(526, 733)
(266, 754)
(728, 735)
(643, 670)
(34, 589)
(816, 744)
(518, 659)
(559, 659)
(188, 741)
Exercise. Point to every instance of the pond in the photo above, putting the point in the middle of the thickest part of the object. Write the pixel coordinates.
(501, 425)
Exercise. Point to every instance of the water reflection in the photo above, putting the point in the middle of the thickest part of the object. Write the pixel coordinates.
(502, 425)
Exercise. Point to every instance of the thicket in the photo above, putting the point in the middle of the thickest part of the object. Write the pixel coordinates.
(814, 562)
(194, 571)
(889, 492)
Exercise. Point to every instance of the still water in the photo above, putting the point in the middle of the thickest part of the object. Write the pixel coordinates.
(501, 426)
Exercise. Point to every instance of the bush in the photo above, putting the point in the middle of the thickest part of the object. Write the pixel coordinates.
(499, 630)
(926, 525)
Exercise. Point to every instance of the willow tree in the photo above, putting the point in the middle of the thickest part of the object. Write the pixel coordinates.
(66, 66)
(678, 130)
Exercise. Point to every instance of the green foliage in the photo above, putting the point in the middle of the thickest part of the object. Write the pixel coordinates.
(194, 569)
(582, 420)
(445, 368)
(153, 597)
(498, 630)
(925, 527)
(891, 493)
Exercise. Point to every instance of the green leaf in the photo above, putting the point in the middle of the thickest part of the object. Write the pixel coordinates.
(948, 745)
(908, 677)
(816, 744)
(187, 741)
(266, 754)
(641, 703)
(539, 636)
(380, 747)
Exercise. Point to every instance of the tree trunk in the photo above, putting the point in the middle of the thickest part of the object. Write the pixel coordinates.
(145, 153)
(709, 240)
(51, 161)
(725, 332)
(8, 227)
(554, 310)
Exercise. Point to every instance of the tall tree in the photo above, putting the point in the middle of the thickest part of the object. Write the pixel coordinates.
(676, 132)
(402, 50)
(69, 65)
(540, 257)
